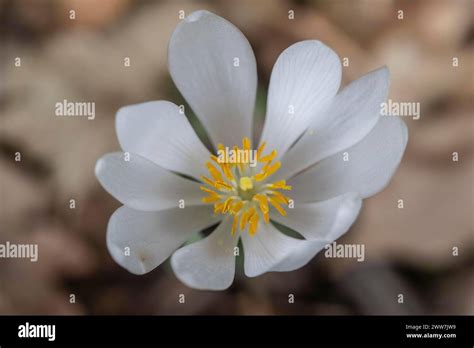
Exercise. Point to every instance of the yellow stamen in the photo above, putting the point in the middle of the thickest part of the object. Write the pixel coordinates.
(277, 206)
(246, 143)
(279, 185)
(234, 224)
(253, 221)
(239, 192)
(263, 201)
(227, 172)
(279, 197)
(208, 181)
(268, 158)
(227, 204)
(246, 217)
(225, 168)
(273, 168)
(260, 176)
(205, 189)
(267, 170)
(210, 199)
(260, 150)
(214, 172)
(218, 207)
(266, 217)
(222, 185)
(237, 206)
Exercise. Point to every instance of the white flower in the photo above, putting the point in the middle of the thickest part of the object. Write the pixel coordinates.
(316, 192)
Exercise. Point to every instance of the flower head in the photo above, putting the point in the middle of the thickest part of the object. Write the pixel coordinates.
(320, 153)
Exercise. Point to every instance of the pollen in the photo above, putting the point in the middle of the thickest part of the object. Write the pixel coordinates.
(238, 185)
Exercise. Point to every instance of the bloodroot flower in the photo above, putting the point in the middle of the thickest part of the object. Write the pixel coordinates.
(320, 153)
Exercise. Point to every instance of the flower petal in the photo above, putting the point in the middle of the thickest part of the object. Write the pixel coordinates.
(303, 83)
(320, 223)
(305, 251)
(350, 117)
(264, 251)
(141, 184)
(151, 237)
(213, 66)
(326, 220)
(370, 166)
(208, 264)
(161, 133)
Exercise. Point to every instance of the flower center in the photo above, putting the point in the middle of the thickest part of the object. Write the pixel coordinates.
(238, 185)
(245, 183)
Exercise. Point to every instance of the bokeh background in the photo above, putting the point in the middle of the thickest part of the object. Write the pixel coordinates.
(408, 251)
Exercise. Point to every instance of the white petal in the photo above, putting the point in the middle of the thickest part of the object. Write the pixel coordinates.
(304, 81)
(351, 116)
(320, 223)
(141, 184)
(270, 250)
(300, 256)
(372, 163)
(203, 52)
(159, 132)
(140, 241)
(208, 264)
(326, 220)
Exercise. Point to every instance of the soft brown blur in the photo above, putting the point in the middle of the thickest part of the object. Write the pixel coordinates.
(408, 251)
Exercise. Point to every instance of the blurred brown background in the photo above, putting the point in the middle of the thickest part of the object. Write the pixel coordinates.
(408, 251)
